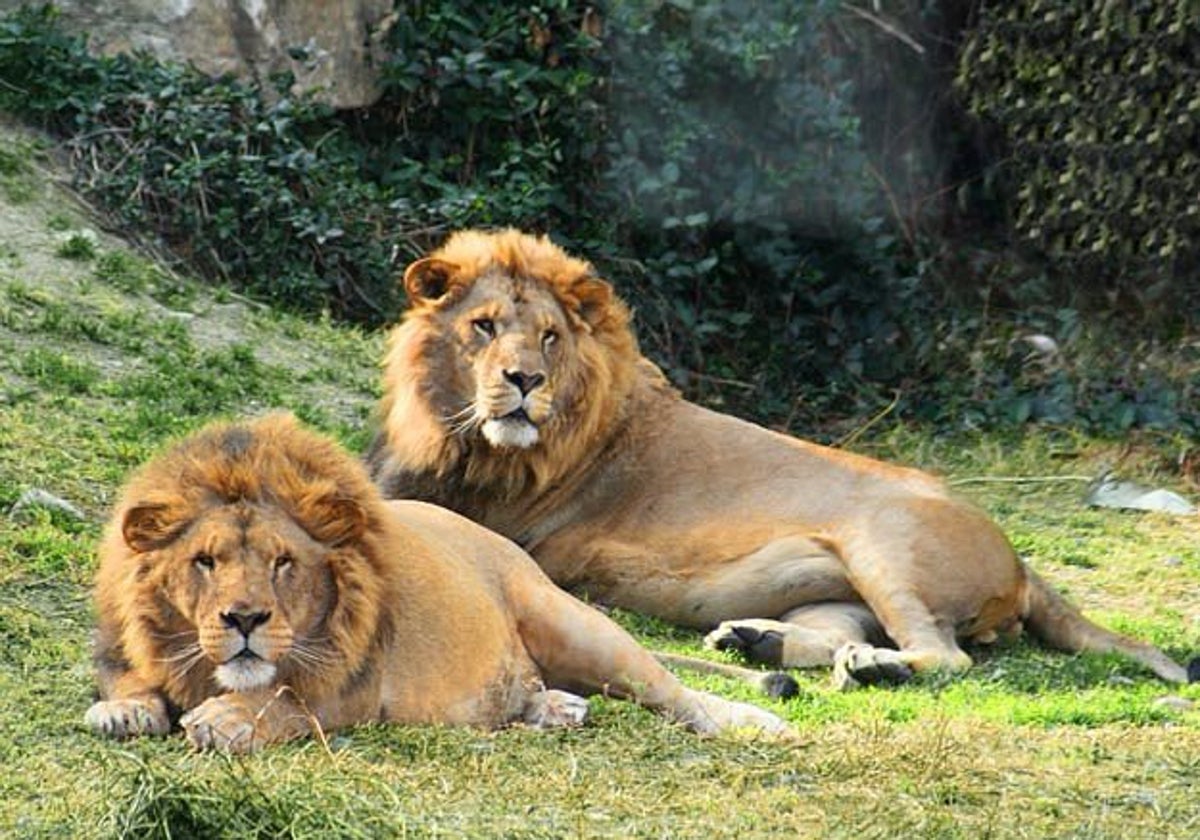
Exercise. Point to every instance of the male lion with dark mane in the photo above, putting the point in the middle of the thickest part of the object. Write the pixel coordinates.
(515, 394)
(254, 579)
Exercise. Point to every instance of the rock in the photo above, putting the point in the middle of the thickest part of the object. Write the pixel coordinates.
(331, 46)
(1175, 703)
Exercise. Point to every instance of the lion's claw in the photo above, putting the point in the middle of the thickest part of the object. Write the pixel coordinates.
(220, 724)
(126, 719)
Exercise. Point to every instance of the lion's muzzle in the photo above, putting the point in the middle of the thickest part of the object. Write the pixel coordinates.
(245, 622)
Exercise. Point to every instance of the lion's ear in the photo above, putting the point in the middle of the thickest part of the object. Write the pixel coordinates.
(428, 279)
(593, 297)
(334, 520)
(149, 526)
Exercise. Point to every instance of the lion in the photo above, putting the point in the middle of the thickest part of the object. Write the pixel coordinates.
(516, 395)
(255, 587)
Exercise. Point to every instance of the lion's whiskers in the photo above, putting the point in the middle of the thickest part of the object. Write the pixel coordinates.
(463, 421)
(313, 655)
(188, 657)
(466, 410)
(166, 637)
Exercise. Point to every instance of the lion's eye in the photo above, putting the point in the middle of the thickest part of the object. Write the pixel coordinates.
(204, 561)
(486, 327)
(283, 561)
(549, 339)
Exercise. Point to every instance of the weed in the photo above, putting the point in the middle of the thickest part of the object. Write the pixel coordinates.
(78, 246)
(129, 273)
(61, 222)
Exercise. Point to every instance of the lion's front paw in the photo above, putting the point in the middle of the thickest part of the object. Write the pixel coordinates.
(856, 664)
(221, 724)
(126, 718)
(759, 641)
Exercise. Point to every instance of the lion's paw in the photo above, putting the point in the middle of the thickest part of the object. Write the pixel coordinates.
(126, 719)
(555, 709)
(220, 724)
(711, 714)
(757, 640)
(857, 664)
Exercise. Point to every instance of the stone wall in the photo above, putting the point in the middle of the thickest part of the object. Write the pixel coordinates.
(331, 46)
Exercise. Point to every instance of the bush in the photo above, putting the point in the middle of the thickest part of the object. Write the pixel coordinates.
(492, 114)
(735, 165)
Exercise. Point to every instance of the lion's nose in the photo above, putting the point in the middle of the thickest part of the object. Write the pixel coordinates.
(525, 382)
(244, 622)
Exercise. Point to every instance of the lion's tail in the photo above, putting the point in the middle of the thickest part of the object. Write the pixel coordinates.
(1049, 617)
(771, 683)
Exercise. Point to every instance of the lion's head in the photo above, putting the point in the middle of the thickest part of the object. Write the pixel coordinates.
(511, 350)
(242, 558)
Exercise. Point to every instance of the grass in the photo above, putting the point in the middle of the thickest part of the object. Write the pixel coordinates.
(103, 360)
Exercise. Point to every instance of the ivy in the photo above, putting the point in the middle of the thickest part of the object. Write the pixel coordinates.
(1101, 111)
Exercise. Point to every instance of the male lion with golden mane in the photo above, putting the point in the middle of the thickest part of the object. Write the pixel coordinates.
(515, 394)
(254, 579)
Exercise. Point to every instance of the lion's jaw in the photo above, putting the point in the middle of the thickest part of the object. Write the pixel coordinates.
(513, 431)
(245, 674)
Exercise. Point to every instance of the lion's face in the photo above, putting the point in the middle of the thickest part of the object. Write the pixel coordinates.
(254, 586)
(511, 363)
(512, 353)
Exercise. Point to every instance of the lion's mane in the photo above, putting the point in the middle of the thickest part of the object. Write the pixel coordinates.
(420, 388)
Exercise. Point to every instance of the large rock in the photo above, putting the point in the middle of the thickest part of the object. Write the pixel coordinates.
(332, 46)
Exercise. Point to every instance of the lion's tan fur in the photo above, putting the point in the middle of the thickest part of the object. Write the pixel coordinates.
(647, 501)
(253, 578)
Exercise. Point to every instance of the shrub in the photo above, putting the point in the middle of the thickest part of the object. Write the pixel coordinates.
(735, 165)
(492, 114)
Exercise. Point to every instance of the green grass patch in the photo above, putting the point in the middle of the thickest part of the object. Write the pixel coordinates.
(18, 180)
(100, 368)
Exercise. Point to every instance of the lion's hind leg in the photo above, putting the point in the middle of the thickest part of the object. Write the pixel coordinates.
(845, 635)
(804, 637)
(554, 709)
(577, 648)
